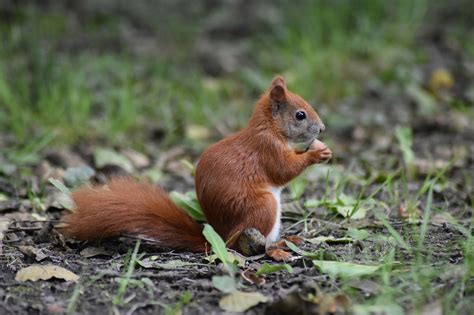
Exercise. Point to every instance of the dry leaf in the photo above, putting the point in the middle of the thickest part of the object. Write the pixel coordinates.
(46, 272)
(278, 244)
(340, 269)
(402, 211)
(406, 214)
(367, 287)
(364, 223)
(103, 157)
(295, 239)
(250, 276)
(429, 166)
(241, 301)
(138, 159)
(442, 218)
(31, 251)
(279, 254)
(7, 205)
(329, 239)
(94, 251)
(171, 264)
(334, 304)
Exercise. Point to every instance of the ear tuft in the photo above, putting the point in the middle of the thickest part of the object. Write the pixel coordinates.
(279, 80)
(278, 89)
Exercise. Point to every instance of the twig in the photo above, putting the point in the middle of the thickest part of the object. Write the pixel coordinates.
(142, 238)
(144, 304)
(23, 228)
(33, 221)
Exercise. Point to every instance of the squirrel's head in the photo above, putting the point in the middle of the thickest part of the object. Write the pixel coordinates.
(292, 116)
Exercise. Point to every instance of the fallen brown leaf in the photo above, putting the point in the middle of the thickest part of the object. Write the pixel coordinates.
(279, 254)
(405, 214)
(250, 276)
(138, 159)
(278, 244)
(31, 251)
(295, 239)
(442, 218)
(334, 304)
(367, 287)
(94, 251)
(46, 272)
(241, 301)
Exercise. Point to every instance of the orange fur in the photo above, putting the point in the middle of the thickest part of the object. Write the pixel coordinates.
(234, 182)
(128, 206)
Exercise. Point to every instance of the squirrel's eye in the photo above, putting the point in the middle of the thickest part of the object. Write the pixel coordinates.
(300, 115)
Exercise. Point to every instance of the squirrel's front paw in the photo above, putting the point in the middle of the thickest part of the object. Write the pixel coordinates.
(319, 152)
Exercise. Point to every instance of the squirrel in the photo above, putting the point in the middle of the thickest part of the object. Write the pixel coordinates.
(238, 183)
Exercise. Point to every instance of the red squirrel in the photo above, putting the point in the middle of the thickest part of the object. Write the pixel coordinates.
(238, 182)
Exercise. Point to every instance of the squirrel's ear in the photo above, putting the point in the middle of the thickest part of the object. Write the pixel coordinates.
(278, 89)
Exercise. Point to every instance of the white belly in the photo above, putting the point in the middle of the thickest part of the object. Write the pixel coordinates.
(275, 232)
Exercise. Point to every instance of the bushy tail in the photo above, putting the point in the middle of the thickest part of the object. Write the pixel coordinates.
(132, 207)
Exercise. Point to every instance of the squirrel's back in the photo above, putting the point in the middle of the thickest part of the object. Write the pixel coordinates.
(231, 186)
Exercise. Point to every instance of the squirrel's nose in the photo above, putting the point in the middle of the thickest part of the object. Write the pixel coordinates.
(314, 128)
(322, 127)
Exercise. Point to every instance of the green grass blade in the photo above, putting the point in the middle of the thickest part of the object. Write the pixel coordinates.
(218, 245)
(118, 299)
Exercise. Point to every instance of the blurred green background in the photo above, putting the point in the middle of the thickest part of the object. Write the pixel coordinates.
(131, 72)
